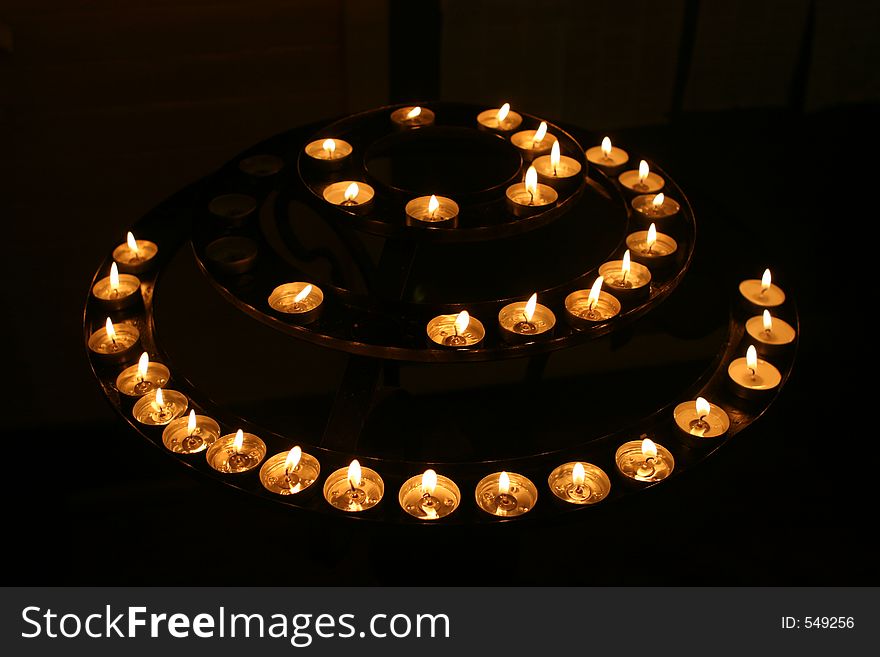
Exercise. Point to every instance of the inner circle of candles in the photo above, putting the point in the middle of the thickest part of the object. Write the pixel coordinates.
(770, 332)
(432, 211)
(650, 247)
(644, 461)
(606, 157)
(191, 434)
(135, 256)
(115, 342)
(752, 377)
(584, 308)
(523, 321)
(762, 293)
(502, 119)
(236, 453)
(579, 483)
(328, 153)
(412, 117)
(530, 197)
(625, 278)
(289, 473)
(650, 208)
(350, 195)
(232, 206)
(557, 170)
(354, 489)
(429, 496)
(642, 181)
(506, 494)
(117, 291)
(159, 407)
(301, 300)
(701, 420)
(139, 379)
(457, 331)
(261, 166)
(532, 143)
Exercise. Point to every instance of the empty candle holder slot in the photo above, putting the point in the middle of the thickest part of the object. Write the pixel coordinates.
(429, 496)
(191, 434)
(579, 483)
(146, 376)
(354, 489)
(235, 207)
(644, 461)
(290, 473)
(300, 301)
(232, 255)
(506, 494)
(261, 166)
(135, 256)
(236, 453)
(701, 422)
(159, 407)
(456, 331)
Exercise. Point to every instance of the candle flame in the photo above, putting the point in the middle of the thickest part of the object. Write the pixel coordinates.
(143, 365)
(644, 170)
(606, 146)
(532, 182)
(595, 290)
(433, 205)
(352, 191)
(131, 241)
(503, 111)
(160, 398)
(703, 407)
(462, 322)
(577, 474)
(329, 145)
(529, 310)
(626, 266)
(354, 474)
(649, 449)
(768, 321)
(429, 482)
(652, 236)
(238, 441)
(414, 112)
(658, 201)
(303, 293)
(503, 483)
(111, 332)
(752, 358)
(555, 155)
(540, 133)
(765, 281)
(114, 277)
(191, 422)
(293, 458)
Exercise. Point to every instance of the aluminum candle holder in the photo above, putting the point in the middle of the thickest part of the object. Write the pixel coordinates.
(290, 473)
(236, 453)
(579, 483)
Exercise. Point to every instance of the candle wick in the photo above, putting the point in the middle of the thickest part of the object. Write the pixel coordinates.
(650, 246)
(623, 278)
(531, 197)
(555, 174)
(702, 418)
(752, 370)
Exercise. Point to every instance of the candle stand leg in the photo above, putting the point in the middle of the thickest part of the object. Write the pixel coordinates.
(535, 368)
(395, 264)
(353, 403)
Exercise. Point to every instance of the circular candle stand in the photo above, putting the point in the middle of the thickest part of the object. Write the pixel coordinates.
(262, 221)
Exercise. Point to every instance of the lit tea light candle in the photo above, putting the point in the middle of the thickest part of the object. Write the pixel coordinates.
(700, 420)
(532, 143)
(429, 496)
(354, 489)
(644, 461)
(302, 301)
(135, 256)
(762, 293)
(234, 207)
(290, 472)
(506, 494)
(412, 117)
(584, 308)
(609, 159)
(236, 453)
(138, 380)
(651, 248)
(523, 321)
(557, 170)
(650, 208)
(770, 333)
(530, 197)
(349, 195)
(752, 377)
(116, 291)
(643, 181)
(457, 331)
(328, 154)
(232, 254)
(579, 483)
(115, 343)
(159, 407)
(432, 211)
(190, 435)
(626, 279)
(502, 119)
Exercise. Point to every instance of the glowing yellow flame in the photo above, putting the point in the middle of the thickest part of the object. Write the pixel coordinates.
(503, 111)
(191, 422)
(111, 332)
(529, 310)
(131, 241)
(644, 170)
(606, 146)
(652, 236)
(354, 474)
(577, 474)
(414, 112)
(433, 205)
(352, 191)
(114, 277)
(143, 365)
(160, 398)
(429, 482)
(703, 407)
(303, 293)
(540, 133)
(532, 182)
(595, 290)
(555, 155)
(752, 358)
(626, 266)
(649, 449)
(293, 458)
(503, 483)
(768, 321)
(238, 442)
(329, 145)
(658, 201)
(462, 322)
(765, 281)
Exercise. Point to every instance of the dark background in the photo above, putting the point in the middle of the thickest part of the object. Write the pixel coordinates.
(765, 113)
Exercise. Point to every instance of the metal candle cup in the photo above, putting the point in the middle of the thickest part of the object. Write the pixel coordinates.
(579, 483)
(631, 285)
(261, 166)
(643, 461)
(654, 208)
(135, 256)
(530, 197)
(752, 378)
(641, 181)
(117, 291)
(659, 253)
(137, 380)
(328, 154)
(582, 311)
(524, 321)
(607, 158)
(529, 146)
(159, 407)
(354, 488)
(429, 496)
(289, 473)
(432, 212)
(300, 301)
(506, 494)
(699, 422)
(445, 331)
(771, 334)
(233, 207)
(412, 117)
(762, 293)
(350, 195)
(190, 434)
(115, 343)
(236, 453)
(489, 119)
(232, 255)
(557, 170)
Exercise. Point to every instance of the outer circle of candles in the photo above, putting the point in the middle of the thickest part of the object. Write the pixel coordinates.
(261, 166)
(329, 154)
(429, 496)
(302, 301)
(652, 208)
(442, 212)
(488, 119)
(637, 183)
(135, 256)
(660, 253)
(280, 475)
(506, 494)
(579, 483)
(412, 117)
(232, 255)
(529, 147)
(225, 456)
(443, 331)
(583, 312)
(636, 283)
(137, 380)
(235, 207)
(119, 347)
(182, 438)
(517, 326)
(346, 492)
(159, 407)
(609, 159)
(700, 424)
(564, 175)
(762, 293)
(124, 292)
(780, 335)
(647, 466)
(530, 197)
(353, 199)
(752, 381)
